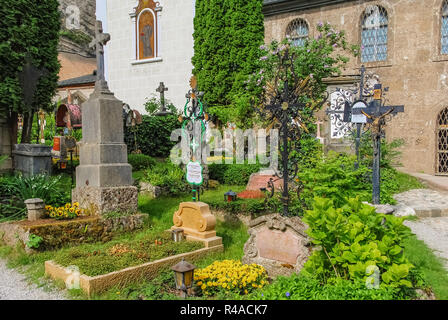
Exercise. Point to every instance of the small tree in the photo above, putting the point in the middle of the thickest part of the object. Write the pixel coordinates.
(29, 29)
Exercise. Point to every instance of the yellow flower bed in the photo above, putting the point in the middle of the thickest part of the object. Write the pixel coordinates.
(67, 212)
(230, 275)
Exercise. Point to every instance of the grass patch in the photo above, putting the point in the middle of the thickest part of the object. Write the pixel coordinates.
(407, 182)
(429, 264)
(94, 260)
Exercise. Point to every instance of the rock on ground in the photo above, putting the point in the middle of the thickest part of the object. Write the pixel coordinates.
(14, 286)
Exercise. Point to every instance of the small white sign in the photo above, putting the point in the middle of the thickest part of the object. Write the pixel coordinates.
(194, 173)
(359, 118)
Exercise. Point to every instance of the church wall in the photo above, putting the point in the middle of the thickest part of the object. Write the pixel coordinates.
(133, 83)
(414, 71)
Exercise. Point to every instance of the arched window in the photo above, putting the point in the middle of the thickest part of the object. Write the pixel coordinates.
(374, 28)
(146, 30)
(298, 32)
(444, 32)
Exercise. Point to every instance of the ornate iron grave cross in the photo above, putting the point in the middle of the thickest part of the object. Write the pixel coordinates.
(161, 89)
(347, 115)
(377, 115)
(193, 130)
(101, 39)
(286, 109)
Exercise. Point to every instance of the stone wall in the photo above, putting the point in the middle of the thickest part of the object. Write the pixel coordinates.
(415, 72)
(133, 83)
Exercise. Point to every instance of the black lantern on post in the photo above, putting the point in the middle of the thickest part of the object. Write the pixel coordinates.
(230, 196)
(184, 276)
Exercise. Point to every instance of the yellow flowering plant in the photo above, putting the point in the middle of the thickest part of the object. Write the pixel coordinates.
(230, 276)
(64, 213)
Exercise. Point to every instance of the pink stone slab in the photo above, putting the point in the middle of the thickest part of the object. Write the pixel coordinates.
(258, 181)
(278, 245)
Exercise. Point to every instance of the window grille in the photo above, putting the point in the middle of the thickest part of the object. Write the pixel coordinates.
(298, 32)
(374, 34)
(444, 32)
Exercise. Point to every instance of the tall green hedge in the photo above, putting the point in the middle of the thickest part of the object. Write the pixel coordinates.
(227, 34)
(28, 28)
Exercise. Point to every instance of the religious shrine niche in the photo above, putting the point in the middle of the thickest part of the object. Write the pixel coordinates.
(69, 116)
(146, 29)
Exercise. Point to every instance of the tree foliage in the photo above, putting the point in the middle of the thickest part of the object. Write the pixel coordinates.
(28, 29)
(227, 37)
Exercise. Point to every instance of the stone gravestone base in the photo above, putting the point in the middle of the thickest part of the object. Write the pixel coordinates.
(277, 243)
(100, 200)
(31, 159)
(197, 222)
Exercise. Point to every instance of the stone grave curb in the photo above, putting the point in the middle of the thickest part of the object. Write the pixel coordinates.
(101, 283)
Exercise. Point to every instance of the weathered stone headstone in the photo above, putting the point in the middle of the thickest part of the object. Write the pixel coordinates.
(197, 222)
(277, 243)
(35, 209)
(31, 159)
(104, 177)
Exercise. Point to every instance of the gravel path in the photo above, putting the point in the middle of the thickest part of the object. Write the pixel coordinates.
(14, 286)
(434, 232)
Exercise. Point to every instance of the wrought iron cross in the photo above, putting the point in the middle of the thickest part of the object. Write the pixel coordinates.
(101, 39)
(376, 115)
(161, 89)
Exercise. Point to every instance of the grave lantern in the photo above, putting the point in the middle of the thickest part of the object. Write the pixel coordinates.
(178, 234)
(183, 275)
(230, 196)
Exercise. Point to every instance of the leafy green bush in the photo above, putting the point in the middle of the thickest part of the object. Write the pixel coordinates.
(169, 177)
(300, 287)
(153, 135)
(232, 174)
(333, 176)
(352, 240)
(140, 161)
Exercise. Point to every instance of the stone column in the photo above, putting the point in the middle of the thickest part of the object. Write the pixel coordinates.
(104, 177)
(35, 208)
(5, 144)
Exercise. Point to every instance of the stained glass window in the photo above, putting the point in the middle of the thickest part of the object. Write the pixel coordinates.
(445, 28)
(298, 32)
(374, 34)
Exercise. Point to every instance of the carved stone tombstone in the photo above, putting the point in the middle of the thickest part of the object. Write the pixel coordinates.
(277, 243)
(197, 222)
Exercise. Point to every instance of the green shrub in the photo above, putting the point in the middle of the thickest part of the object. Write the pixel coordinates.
(232, 174)
(169, 177)
(352, 239)
(333, 176)
(153, 135)
(299, 287)
(48, 188)
(140, 161)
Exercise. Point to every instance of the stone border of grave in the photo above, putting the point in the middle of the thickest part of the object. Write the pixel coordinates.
(76, 231)
(101, 283)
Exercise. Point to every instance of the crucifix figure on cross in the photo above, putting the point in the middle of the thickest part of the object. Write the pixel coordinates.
(101, 39)
(377, 115)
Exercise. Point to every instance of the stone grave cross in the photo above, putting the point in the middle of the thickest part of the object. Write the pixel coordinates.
(161, 89)
(101, 39)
